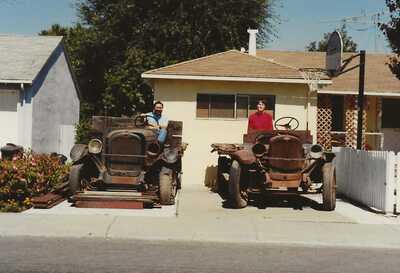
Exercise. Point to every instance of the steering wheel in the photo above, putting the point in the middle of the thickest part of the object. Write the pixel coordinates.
(142, 121)
(287, 123)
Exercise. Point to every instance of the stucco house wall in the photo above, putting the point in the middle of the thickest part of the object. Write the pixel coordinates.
(25, 117)
(179, 98)
(55, 103)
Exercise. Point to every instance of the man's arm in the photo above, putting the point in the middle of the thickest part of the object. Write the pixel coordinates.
(163, 122)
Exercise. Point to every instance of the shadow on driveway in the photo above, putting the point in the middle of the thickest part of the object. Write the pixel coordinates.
(277, 200)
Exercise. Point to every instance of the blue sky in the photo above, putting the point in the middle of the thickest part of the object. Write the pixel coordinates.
(29, 17)
(302, 20)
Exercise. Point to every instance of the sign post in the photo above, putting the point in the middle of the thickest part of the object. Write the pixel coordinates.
(336, 66)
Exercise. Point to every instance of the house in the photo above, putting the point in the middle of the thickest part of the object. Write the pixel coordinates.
(337, 109)
(214, 96)
(39, 97)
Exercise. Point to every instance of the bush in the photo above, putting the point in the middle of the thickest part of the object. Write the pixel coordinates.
(28, 176)
(82, 130)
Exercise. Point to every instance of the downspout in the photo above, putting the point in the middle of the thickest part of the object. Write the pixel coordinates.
(20, 127)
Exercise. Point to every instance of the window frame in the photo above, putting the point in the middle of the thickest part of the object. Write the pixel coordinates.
(235, 118)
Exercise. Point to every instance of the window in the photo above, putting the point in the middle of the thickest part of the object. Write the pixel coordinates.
(390, 113)
(338, 113)
(231, 106)
(222, 106)
(203, 106)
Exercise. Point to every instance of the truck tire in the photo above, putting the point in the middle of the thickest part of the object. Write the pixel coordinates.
(75, 178)
(167, 187)
(329, 187)
(222, 183)
(235, 196)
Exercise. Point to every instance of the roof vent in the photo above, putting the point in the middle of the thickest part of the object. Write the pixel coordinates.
(252, 41)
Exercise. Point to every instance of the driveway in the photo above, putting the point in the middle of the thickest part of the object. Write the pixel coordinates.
(201, 217)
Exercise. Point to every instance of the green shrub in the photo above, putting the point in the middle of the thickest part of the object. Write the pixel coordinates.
(28, 176)
(82, 131)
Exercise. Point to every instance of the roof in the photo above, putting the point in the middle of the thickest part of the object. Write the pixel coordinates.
(378, 77)
(22, 57)
(229, 65)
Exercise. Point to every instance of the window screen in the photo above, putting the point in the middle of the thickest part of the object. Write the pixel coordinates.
(222, 106)
(390, 113)
(203, 106)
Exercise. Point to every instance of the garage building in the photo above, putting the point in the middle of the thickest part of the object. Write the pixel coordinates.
(39, 97)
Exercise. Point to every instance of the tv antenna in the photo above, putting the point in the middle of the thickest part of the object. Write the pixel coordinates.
(363, 22)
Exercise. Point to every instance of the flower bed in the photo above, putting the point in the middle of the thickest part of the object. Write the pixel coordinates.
(28, 176)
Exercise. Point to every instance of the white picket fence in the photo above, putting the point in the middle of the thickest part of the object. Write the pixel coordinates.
(369, 177)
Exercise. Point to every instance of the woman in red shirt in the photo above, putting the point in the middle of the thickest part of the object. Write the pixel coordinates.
(260, 120)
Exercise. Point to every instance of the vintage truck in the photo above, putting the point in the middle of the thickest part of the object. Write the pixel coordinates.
(276, 160)
(123, 156)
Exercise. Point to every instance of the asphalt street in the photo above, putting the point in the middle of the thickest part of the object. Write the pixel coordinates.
(45, 255)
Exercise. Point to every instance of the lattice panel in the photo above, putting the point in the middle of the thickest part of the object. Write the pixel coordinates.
(350, 107)
(364, 127)
(324, 121)
(351, 117)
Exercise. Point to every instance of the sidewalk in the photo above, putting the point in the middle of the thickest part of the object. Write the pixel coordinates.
(202, 218)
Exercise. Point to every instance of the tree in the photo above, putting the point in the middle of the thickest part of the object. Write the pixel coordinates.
(348, 44)
(117, 40)
(392, 31)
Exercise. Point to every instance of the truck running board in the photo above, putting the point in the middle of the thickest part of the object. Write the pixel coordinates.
(115, 200)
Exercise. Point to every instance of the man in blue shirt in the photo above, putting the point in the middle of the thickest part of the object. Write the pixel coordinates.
(157, 121)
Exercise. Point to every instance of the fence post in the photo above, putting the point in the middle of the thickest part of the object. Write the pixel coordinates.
(397, 182)
(390, 199)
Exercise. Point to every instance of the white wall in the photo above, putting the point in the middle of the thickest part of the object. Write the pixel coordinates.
(25, 118)
(8, 115)
(179, 99)
(55, 105)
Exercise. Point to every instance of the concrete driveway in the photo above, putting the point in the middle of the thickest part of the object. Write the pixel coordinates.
(202, 217)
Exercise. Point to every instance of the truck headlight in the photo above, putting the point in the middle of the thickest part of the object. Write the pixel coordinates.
(95, 146)
(78, 152)
(170, 155)
(259, 149)
(316, 151)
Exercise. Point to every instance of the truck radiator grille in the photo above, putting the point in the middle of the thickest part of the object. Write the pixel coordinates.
(121, 149)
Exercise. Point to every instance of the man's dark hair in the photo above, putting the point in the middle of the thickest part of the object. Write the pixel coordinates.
(158, 102)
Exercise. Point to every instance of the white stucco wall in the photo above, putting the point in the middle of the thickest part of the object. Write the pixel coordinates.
(25, 117)
(8, 115)
(179, 97)
(55, 105)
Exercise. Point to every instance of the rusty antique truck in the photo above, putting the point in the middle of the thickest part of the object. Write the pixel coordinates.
(271, 161)
(124, 161)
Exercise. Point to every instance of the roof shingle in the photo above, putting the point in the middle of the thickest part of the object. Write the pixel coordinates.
(378, 76)
(230, 63)
(22, 57)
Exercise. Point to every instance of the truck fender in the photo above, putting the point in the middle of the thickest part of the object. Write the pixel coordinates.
(79, 152)
(244, 157)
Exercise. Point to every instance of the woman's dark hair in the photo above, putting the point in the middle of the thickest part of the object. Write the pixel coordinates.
(263, 102)
(158, 102)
